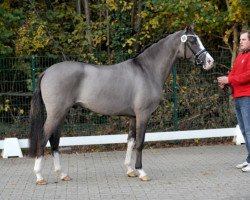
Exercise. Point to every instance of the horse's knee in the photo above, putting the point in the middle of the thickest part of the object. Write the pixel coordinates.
(139, 147)
(52, 134)
(40, 148)
(54, 143)
(131, 135)
(131, 142)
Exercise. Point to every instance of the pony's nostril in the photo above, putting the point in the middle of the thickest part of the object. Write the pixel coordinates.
(210, 61)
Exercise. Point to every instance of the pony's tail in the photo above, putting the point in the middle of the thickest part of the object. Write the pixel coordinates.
(36, 138)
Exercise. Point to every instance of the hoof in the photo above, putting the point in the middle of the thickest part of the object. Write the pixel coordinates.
(41, 182)
(145, 178)
(132, 174)
(66, 178)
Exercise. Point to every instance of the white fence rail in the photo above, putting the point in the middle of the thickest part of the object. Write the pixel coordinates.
(12, 146)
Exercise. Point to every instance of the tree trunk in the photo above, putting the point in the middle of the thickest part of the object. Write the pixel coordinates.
(108, 33)
(235, 38)
(78, 7)
(234, 54)
(88, 31)
(138, 23)
(133, 13)
(235, 43)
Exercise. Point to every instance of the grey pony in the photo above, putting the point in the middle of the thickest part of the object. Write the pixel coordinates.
(131, 88)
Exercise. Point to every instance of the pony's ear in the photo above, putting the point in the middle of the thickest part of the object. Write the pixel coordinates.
(190, 28)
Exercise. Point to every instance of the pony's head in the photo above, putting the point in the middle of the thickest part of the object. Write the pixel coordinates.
(192, 48)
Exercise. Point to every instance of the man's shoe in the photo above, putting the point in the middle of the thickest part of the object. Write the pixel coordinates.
(246, 169)
(242, 165)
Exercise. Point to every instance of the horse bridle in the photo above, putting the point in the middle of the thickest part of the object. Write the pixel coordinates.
(198, 61)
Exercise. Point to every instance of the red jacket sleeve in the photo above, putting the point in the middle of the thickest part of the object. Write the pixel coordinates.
(240, 73)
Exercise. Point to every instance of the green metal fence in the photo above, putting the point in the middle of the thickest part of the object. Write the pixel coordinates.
(190, 100)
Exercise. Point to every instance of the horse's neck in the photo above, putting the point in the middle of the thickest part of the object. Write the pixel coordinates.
(160, 58)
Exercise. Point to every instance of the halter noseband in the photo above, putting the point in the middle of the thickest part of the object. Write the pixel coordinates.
(196, 55)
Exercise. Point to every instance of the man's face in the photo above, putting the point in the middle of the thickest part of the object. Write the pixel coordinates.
(244, 42)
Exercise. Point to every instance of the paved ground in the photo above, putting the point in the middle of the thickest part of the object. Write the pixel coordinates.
(190, 173)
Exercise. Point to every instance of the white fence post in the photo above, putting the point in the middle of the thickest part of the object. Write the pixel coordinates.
(238, 138)
(11, 148)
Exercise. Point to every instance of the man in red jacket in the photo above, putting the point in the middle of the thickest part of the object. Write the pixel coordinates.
(239, 79)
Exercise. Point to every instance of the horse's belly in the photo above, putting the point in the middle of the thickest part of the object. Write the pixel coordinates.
(106, 98)
(108, 107)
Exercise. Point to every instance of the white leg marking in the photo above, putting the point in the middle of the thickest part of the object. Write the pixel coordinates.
(57, 165)
(38, 167)
(131, 144)
(142, 173)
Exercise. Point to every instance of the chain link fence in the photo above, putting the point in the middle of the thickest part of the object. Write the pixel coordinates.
(191, 99)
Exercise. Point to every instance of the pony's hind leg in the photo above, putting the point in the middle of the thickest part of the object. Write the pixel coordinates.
(58, 169)
(37, 170)
(130, 146)
(39, 161)
(54, 142)
(51, 126)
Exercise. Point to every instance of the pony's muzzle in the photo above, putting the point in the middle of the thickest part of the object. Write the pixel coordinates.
(209, 62)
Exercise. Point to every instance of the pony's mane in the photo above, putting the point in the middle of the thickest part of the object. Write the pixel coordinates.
(150, 44)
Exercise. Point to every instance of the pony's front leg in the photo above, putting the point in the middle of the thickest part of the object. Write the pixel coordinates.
(142, 174)
(37, 170)
(130, 171)
(141, 124)
(130, 146)
(58, 169)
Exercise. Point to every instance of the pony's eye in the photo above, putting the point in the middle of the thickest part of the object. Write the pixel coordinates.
(193, 39)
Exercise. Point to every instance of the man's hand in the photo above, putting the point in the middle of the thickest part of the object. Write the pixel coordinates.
(222, 81)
